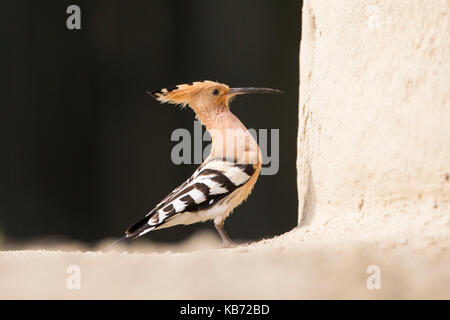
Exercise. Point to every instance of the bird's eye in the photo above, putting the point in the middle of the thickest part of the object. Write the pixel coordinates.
(215, 92)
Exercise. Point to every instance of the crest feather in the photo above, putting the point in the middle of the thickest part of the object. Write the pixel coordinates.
(175, 94)
(179, 94)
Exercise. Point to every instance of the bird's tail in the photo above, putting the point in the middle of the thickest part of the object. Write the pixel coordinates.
(135, 231)
(120, 240)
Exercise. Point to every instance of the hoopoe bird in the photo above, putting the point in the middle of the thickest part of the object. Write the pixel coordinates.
(226, 177)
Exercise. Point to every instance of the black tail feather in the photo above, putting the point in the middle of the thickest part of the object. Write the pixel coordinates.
(120, 240)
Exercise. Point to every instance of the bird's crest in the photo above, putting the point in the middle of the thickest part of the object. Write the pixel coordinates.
(181, 93)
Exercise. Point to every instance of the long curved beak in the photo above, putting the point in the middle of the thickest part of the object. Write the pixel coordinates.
(236, 91)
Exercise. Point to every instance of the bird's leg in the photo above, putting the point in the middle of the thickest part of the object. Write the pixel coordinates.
(218, 223)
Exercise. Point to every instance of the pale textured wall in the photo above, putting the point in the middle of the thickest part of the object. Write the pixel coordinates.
(374, 112)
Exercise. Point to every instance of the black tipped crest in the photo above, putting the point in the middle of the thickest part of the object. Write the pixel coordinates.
(155, 93)
(180, 94)
(170, 89)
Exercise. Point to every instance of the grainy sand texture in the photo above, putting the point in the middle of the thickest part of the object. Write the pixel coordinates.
(328, 261)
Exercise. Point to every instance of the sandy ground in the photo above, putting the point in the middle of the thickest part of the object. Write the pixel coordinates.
(326, 260)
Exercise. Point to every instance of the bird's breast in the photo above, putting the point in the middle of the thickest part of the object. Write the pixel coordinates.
(237, 145)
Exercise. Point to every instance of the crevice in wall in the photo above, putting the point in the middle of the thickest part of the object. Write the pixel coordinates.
(306, 190)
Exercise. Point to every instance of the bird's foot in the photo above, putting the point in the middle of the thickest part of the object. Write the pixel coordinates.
(229, 244)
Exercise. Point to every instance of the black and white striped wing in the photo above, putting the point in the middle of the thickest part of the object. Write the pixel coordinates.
(211, 182)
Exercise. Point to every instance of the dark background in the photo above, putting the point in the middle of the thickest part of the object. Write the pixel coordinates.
(86, 152)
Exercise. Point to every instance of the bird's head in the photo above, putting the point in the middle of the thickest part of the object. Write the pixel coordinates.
(204, 96)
